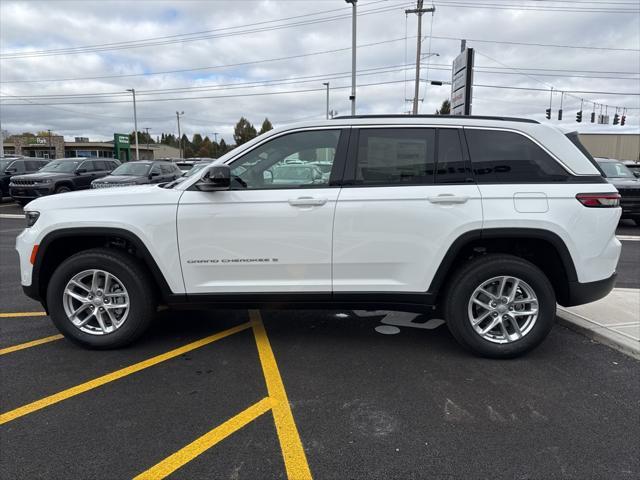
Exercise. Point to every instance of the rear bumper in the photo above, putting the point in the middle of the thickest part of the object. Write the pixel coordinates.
(581, 293)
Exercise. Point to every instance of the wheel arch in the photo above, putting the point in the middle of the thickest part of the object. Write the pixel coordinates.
(58, 245)
(543, 248)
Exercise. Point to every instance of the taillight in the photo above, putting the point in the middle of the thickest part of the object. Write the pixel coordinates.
(599, 200)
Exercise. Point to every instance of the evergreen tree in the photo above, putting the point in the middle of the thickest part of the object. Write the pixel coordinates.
(197, 141)
(445, 109)
(243, 131)
(266, 126)
(222, 147)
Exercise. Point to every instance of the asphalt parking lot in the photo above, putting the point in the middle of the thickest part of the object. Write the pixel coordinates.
(277, 394)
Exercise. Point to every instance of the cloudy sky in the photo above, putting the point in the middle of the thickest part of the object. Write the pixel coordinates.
(66, 65)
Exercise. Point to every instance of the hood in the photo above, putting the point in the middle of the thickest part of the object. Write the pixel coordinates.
(100, 198)
(625, 183)
(41, 175)
(123, 179)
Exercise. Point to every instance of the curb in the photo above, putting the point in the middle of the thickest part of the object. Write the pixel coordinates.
(603, 335)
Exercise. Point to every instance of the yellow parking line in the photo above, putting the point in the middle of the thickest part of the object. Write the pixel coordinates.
(33, 343)
(23, 314)
(295, 460)
(110, 377)
(205, 442)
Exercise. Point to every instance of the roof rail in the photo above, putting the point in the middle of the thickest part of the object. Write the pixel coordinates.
(472, 117)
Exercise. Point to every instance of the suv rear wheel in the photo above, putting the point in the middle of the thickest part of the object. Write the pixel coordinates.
(101, 298)
(500, 306)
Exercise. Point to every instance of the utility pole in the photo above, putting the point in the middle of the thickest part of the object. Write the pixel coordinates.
(1, 142)
(135, 120)
(352, 97)
(178, 115)
(147, 130)
(418, 11)
(327, 109)
(215, 136)
(49, 134)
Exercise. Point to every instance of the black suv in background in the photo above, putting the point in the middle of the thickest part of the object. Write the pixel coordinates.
(628, 185)
(17, 166)
(58, 176)
(139, 173)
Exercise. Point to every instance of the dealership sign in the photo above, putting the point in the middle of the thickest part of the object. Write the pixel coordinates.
(462, 83)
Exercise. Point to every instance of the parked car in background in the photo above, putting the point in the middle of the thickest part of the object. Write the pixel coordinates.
(197, 166)
(186, 165)
(633, 166)
(59, 176)
(628, 185)
(17, 166)
(139, 173)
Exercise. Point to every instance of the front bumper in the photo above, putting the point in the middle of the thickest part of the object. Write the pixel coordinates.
(28, 192)
(581, 293)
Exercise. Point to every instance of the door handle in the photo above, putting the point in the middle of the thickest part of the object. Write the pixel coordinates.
(448, 198)
(307, 202)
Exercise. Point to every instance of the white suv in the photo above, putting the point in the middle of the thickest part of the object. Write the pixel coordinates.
(492, 219)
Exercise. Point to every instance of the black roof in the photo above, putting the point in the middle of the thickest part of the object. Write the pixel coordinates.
(473, 117)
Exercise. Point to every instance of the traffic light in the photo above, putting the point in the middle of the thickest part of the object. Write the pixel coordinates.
(560, 114)
(623, 119)
(616, 119)
(548, 113)
(579, 117)
(593, 117)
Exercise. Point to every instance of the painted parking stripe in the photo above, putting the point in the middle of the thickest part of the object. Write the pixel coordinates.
(11, 215)
(23, 314)
(33, 343)
(185, 455)
(118, 374)
(295, 460)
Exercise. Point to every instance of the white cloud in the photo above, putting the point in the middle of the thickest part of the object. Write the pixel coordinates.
(70, 23)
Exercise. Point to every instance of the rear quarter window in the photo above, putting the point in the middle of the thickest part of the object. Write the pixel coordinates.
(508, 157)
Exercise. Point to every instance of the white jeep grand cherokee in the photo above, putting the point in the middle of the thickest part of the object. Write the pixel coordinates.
(492, 219)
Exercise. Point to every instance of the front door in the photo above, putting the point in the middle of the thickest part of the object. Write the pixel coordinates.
(272, 231)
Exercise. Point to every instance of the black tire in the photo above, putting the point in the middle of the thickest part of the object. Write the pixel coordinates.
(133, 276)
(475, 273)
(62, 189)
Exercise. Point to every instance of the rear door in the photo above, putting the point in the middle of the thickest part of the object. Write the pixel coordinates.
(400, 209)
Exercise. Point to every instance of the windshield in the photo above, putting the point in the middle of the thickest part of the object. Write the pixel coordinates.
(4, 164)
(132, 169)
(62, 166)
(616, 170)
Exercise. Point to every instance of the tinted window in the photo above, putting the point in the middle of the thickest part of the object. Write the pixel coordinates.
(33, 165)
(289, 161)
(508, 157)
(89, 166)
(166, 169)
(395, 156)
(155, 169)
(452, 166)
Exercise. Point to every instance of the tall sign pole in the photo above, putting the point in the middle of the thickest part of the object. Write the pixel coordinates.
(178, 115)
(462, 82)
(135, 121)
(352, 97)
(418, 11)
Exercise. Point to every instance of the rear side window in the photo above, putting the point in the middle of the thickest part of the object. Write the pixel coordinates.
(395, 156)
(452, 166)
(508, 157)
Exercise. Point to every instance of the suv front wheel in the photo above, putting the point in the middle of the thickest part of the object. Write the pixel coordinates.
(500, 306)
(101, 298)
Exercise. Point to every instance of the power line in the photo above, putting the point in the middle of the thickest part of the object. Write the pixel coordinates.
(188, 37)
(213, 67)
(530, 44)
(521, 7)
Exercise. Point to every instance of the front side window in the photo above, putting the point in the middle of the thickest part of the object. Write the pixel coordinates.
(301, 159)
(391, 156)
(508, 157)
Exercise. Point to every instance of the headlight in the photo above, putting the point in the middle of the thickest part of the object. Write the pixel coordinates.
(32, 218)
(42, 182)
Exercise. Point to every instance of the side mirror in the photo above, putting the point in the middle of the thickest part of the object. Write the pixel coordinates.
(267, 177)
(636, 173)
(10, 171)
(217, 178)
(80, 171)
(153, 174)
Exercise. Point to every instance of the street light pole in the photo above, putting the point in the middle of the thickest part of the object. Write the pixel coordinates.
(178, 115)
(135, 121)
(352, 97)
(49, 134)
(327, 109)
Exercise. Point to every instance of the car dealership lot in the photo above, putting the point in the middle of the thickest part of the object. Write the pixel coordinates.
(362, 404)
